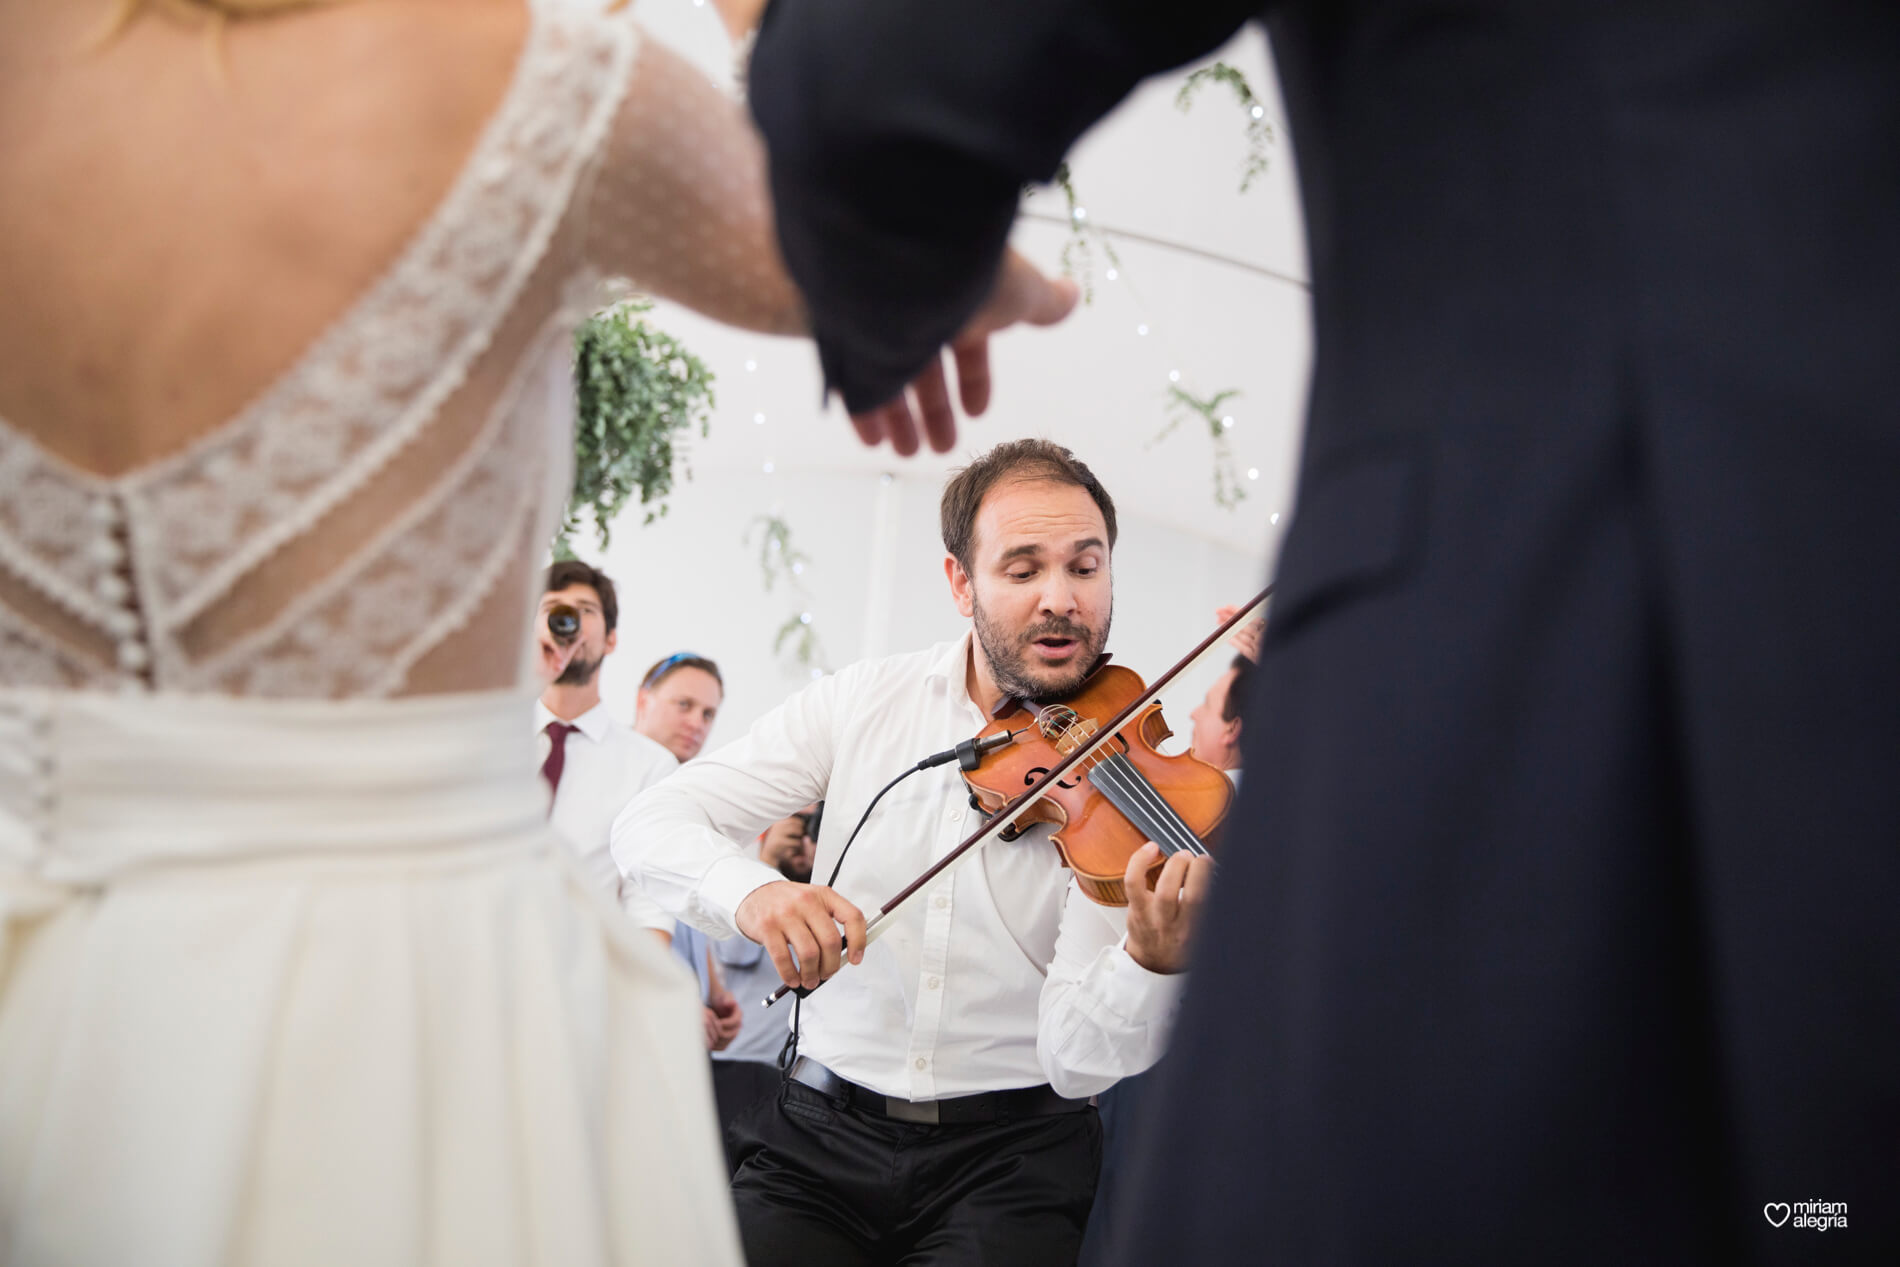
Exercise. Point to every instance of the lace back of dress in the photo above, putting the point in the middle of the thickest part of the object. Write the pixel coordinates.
(374, 522)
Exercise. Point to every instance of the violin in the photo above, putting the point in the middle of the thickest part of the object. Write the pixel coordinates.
(1089, 753)
(1120, 797)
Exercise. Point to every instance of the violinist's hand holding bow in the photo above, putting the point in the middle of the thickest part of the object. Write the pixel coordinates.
(1161, 920)
(804, 920)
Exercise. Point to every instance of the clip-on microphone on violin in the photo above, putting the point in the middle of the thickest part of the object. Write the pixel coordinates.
(968, 755)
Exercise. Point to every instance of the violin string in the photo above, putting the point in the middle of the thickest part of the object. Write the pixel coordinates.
(1159, 806)
(1163, 812)
(1144, 805)
(1131, 804)
(1133, 809)
(1138, 799)
(1189, 841)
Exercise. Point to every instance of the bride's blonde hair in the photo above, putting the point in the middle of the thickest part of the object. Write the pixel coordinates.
(214, 13)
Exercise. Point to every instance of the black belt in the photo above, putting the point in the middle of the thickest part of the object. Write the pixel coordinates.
(985, 1106)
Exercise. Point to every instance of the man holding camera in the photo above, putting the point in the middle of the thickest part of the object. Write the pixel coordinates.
(593, 764)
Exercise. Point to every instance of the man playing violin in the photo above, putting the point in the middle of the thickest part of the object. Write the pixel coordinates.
(940, 1110)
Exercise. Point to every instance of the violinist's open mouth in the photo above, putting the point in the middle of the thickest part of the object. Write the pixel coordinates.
(1056, 650)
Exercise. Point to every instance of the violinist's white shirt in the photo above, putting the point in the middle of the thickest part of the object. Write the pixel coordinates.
(999, 975)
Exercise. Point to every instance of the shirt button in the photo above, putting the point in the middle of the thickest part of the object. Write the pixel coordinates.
(941, 902)
(952, 814)
(922, 1063)
(933, 983)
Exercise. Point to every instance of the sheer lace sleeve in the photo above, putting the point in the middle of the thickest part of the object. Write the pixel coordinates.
(678, 204)
(375, 520)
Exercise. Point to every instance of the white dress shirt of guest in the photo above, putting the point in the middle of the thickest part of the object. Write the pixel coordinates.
(607, 766)
(601, 764)
(1001, 974)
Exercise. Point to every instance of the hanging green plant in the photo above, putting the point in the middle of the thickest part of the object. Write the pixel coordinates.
(805, 651)
(778, 557)
(1260, 135)
(1182, 405)
(638, 394)
(1078, 253)
(796, 641)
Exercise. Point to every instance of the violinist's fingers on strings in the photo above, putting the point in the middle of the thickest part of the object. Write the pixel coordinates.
(1135, 875)
(1174, 878)
(1200, 876)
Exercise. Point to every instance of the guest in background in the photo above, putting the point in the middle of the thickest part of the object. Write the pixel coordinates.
(593, 764)
(746, 1070)
(1215, 734)
(678, 699)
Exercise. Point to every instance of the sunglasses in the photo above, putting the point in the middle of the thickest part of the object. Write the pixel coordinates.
(658, 671)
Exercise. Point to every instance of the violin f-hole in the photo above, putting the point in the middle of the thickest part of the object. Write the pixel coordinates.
(1038, 771)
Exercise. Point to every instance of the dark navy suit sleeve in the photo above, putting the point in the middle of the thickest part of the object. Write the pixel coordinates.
(901, 133)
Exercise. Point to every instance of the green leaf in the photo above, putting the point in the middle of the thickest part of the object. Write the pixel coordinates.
(636, 389)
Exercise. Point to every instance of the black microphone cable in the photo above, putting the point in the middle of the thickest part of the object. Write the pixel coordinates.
(968, 755)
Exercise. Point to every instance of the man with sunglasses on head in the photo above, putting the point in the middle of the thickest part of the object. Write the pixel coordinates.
(678, 700)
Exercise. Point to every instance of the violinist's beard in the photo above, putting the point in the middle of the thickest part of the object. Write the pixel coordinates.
(1009, 658)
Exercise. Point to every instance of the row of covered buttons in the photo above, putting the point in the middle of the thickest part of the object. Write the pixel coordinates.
(34, 717)
(107, 550)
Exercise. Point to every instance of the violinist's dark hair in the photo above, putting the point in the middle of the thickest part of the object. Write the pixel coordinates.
(1013, 460)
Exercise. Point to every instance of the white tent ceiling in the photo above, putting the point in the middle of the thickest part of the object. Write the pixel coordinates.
(1214, 276)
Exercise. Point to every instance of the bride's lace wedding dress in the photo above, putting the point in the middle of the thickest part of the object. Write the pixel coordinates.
(291, 969)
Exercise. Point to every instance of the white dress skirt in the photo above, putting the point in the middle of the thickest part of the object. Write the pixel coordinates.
(288, 982)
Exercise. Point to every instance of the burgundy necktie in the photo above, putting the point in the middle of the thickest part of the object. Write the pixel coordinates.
(557, 731)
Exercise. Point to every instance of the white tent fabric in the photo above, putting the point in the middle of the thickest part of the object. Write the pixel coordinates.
(1215, 278)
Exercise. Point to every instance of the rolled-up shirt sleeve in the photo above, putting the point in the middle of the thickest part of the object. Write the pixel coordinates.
(675, 840)
(1102, 1017)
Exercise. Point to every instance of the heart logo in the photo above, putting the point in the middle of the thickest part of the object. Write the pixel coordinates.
(1775, 1212)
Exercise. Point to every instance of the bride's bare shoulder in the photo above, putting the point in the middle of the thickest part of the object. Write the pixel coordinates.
(154, 185)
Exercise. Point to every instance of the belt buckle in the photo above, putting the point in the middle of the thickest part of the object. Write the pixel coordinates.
(922, 1112)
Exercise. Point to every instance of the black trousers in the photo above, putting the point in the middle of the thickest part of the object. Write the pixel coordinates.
(737, 1086)
(825, 1185)
(1120, 1107)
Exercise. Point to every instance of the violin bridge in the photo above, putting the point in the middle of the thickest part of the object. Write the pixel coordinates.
(1076, 735)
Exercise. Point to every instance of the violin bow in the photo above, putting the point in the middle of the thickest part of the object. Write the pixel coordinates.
(1003, 817)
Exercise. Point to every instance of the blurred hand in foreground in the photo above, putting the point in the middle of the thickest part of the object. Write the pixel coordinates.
(1022, 294)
